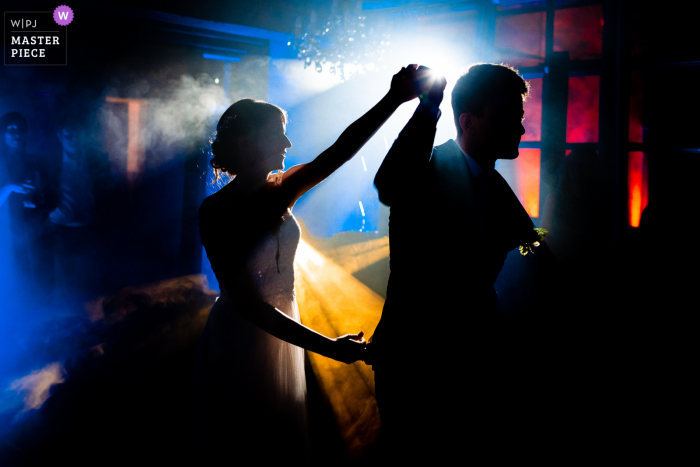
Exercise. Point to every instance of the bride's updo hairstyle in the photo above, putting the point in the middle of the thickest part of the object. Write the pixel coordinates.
(243, 118)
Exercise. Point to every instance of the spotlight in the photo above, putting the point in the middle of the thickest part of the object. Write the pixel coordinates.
(216, 80)
(428, 77)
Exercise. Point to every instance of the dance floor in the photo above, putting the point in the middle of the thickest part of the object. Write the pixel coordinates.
(114, 375)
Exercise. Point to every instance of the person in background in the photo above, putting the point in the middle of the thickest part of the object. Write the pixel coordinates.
(27, 195)
(85, 185)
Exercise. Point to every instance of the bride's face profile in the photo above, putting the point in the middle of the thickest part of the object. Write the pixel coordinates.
(271, 144)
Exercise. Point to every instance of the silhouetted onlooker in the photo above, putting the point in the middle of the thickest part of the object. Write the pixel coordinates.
(28, 190)
(86, 182)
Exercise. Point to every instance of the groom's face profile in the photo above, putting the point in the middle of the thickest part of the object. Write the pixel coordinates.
(499, 130)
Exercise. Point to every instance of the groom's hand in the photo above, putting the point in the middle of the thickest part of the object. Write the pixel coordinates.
(424, 80)
(433, 88)
(350, 347)
(437, 90)
(431, 96)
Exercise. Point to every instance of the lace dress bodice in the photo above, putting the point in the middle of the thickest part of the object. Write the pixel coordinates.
(272, 264)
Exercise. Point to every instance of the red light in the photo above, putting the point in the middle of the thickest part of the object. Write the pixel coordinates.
(527, 172)
(637, 185)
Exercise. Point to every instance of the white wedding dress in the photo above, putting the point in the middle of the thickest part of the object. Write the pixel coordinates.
(250, 386)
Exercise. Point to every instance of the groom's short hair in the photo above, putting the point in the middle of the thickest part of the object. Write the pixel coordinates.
(482, 85)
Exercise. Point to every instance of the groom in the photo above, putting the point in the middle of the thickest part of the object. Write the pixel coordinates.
(453, 219)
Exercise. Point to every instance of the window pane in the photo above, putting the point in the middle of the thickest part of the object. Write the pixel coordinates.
(533, 112)
(637, 185)
(523, 176)
(582, 113)
(579, 31)
(520, 40)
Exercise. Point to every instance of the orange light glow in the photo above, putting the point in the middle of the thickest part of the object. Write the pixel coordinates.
(333, 302)
(357, 256)
(637, 184)
(136, 149)
(527, 171)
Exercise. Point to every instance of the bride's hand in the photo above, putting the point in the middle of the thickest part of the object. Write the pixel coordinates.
(350, 347)
(403, 87)
(413, 81)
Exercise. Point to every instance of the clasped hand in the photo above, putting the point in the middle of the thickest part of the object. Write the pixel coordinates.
(350, 347)
(413, 81)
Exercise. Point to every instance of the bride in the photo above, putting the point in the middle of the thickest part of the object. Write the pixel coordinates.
(250, 388)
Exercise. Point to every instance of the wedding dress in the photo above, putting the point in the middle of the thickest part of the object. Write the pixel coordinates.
(250, 386)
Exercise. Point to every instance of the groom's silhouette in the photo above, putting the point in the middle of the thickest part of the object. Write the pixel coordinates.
(453, 219)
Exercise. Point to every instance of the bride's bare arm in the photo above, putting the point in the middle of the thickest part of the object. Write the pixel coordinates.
(301, 178)
(348, 348)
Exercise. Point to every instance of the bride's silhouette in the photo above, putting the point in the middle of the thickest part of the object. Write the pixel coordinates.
(250, 387)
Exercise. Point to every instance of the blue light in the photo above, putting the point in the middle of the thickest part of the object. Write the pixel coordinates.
(221, 57)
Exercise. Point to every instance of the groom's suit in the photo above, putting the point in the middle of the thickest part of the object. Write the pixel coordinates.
(450, 232)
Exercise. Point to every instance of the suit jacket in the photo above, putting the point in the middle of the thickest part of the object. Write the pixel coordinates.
(449, 236)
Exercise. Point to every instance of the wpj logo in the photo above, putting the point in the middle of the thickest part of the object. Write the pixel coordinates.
(18, 23)
(37, 37)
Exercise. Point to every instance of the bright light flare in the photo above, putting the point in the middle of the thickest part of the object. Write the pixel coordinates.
(444, 58)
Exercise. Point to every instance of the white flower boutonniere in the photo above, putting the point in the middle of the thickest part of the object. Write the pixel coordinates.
(537, 237)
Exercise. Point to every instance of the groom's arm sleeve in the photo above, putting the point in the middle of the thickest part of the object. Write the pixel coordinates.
(408, 157)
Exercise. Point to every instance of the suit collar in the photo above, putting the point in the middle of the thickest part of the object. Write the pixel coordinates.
(452, 153)
(474, 166)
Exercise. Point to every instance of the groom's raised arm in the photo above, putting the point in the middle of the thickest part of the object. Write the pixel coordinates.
(409, 156)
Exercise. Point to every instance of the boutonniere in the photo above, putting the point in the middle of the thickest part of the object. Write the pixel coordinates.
(535, 238)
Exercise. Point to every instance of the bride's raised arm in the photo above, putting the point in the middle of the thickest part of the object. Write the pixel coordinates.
(301, 178)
